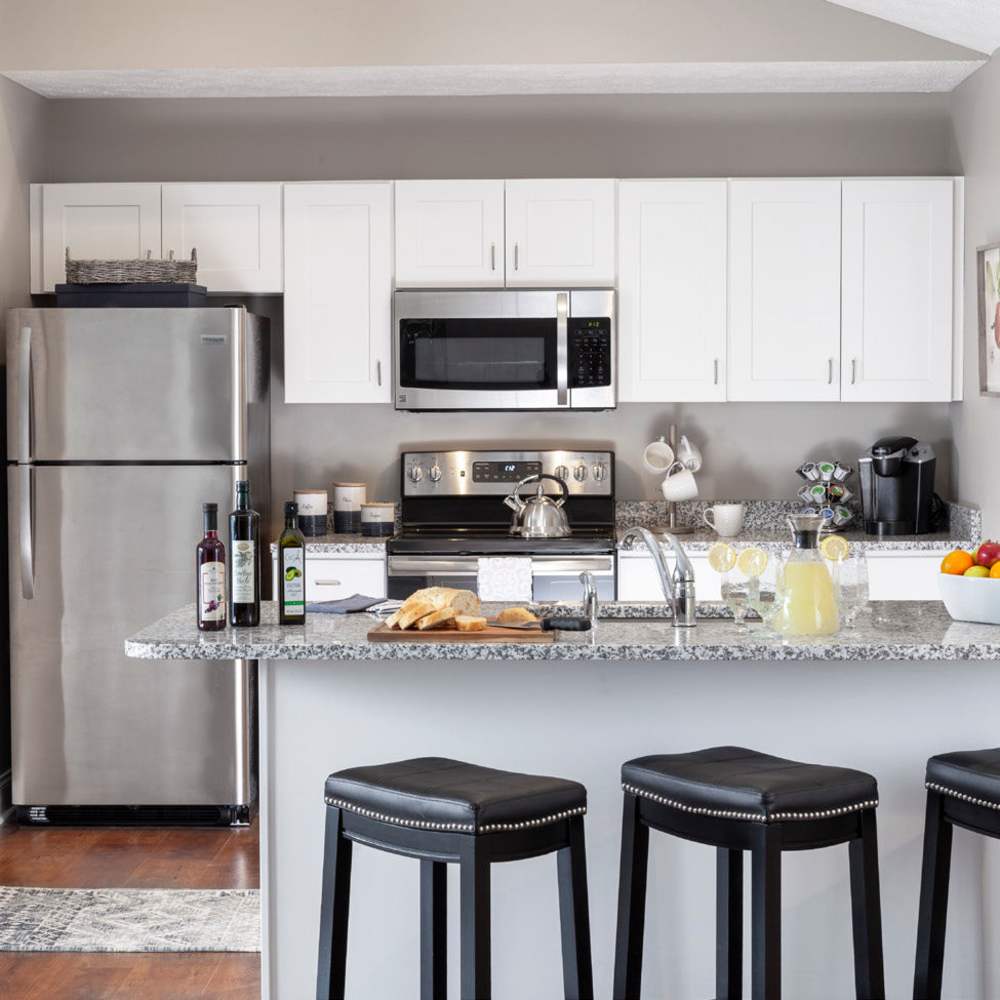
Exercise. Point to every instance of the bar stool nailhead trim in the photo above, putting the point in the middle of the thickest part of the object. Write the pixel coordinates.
(942, 790)
(754, 817)
(457, 827)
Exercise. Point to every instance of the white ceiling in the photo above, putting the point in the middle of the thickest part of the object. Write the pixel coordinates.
(972, 23)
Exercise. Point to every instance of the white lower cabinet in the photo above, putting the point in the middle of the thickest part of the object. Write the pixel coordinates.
(329, 578)
(639, 581)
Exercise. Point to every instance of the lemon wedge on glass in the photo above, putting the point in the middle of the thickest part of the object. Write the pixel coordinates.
(834, 548)
(752, 562)
(722, 557)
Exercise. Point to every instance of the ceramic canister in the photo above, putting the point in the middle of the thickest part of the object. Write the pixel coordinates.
(378, 518)
(347, 501)
(313, 507)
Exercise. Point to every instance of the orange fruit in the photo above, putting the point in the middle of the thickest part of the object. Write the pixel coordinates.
(995, 571)
(957, 562)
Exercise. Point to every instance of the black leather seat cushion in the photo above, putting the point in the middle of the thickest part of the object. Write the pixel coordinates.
(744, 784)
(973, 773)
(438, 793)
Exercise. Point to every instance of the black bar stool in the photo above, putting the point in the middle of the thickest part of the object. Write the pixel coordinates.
(443, 811)
(963, 789)
(740, 800)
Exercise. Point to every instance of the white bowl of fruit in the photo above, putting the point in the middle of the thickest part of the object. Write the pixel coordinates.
(970, 584)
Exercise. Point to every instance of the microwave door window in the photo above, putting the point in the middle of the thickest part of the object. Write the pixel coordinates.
(478, 354)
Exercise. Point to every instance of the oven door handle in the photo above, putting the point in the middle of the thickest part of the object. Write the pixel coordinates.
(431, 566)
(555, 566)
(562, 348)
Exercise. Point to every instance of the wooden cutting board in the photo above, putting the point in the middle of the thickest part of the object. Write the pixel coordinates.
(489, 634)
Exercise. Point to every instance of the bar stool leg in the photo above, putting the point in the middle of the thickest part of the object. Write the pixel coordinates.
(334, 909)
(728, 924)
(631, 902)
(866, 911)
(933, 901)
(433, 930)
(574, 916)
(474, 876)
(766, 910)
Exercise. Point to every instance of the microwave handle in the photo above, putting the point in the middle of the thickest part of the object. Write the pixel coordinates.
(562, 349)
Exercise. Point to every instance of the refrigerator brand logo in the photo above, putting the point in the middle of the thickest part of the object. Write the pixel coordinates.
(213, 338)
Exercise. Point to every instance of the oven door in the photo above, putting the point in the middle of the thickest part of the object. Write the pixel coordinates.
(481, 350)
(554, 578)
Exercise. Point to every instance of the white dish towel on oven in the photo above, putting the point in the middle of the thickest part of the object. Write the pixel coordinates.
(505, 578)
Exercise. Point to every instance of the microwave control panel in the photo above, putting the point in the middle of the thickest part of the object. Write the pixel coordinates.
(589, 352)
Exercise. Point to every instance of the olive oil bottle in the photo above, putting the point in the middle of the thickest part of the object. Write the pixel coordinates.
(291, 570)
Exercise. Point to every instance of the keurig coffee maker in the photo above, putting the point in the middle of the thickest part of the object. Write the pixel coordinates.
(897, 487)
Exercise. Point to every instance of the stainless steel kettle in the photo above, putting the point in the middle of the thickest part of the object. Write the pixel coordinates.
(538, 516)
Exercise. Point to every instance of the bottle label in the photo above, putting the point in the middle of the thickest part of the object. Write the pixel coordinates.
(213, 591)
(293, 582)
(244, 572)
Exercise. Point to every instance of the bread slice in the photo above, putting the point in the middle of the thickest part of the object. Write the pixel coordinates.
(469, 623)
(436, 619)
(516, 616)
(393, 620)
(412, 611)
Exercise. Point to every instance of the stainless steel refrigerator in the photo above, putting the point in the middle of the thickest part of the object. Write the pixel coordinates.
(120, 424)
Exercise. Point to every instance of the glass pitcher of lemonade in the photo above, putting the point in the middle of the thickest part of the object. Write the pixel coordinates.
(807, 594)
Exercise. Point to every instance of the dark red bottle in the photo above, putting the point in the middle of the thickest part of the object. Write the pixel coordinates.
(211, 569)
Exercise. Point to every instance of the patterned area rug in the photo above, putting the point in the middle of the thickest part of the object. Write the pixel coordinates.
(129, 919)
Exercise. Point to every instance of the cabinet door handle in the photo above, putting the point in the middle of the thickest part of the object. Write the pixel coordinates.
(493, 256)
(715, 375)
(829, 371)
(327, 583)
(854, 370)
(515, 256)
(378, 371)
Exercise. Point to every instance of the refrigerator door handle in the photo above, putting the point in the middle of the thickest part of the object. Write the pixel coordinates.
(24, 530)
(24, 397)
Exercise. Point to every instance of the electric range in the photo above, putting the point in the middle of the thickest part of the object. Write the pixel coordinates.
(452, 514)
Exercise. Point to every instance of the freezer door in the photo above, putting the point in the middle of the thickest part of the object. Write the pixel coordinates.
(98, 554)
(132, 385)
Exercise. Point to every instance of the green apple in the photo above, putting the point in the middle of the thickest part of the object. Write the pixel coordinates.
(976, 571)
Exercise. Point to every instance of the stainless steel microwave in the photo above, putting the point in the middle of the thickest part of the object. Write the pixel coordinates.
(504, 350)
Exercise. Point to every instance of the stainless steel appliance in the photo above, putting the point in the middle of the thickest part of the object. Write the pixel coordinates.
(897, 487)
(504, 350)
(453, 514)
(121, 422)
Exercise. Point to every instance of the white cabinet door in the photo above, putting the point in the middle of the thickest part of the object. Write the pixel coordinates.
(96, 221)
(672, 291)
(560, 233)
(235, 228)
(449, 234)
(638, 579)
(898, 290)
(784, 290)
(904, 576)
(338, 290)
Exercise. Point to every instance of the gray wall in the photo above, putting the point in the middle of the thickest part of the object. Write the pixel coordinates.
(977, 420)
(750, 449)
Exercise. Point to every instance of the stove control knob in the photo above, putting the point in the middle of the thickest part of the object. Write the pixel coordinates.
(580, 473)
(435, 473)
(561, 472)
(600, 471)
(416, 473)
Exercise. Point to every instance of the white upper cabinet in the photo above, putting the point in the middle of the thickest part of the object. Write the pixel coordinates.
(672, 291)
(560, 233)
(898, 290)
(235, 228)
(784, 290)
(95, 221)
(338, 290)
(449, 234)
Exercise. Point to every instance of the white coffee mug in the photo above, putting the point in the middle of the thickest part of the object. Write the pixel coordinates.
(725, 519)
(678, 484)
(658, 457)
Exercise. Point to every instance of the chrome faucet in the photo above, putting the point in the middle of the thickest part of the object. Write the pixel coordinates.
(678, 586)
(591, 602)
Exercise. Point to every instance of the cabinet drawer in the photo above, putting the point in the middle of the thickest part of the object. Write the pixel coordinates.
(332, 579)
(904, 577)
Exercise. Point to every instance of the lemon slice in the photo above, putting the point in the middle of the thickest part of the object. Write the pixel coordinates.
(834, 547)
(722, 557)
(752, 562)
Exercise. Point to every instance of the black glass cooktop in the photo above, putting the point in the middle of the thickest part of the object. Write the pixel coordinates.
(489, 541)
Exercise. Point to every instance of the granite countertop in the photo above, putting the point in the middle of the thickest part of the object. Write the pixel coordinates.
(893, 630)
(338, 543)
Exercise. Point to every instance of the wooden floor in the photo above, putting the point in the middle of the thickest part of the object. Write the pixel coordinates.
(118, 857)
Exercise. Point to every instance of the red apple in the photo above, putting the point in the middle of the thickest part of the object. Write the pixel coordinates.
(988, 553)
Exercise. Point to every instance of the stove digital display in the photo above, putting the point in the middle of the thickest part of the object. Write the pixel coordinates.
(503, 472)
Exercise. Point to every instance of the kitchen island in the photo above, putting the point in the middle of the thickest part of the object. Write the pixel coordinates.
(907, 683)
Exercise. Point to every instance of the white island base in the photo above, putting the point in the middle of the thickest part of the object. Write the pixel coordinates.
(581, 719)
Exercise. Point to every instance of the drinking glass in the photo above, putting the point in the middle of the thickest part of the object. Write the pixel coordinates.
(764, 591)
(853, 578)
(736, 595)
